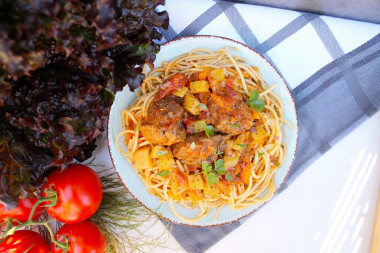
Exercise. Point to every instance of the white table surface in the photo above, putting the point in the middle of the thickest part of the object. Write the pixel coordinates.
(330, 207)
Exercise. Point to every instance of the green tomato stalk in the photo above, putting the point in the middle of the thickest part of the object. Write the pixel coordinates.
(10, 228)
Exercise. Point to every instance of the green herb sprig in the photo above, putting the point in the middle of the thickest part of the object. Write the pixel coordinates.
(255, 102)
(212, 173)
(219, 152)
(120, 213)
(209, 130)
(163, 173)
(235, 125)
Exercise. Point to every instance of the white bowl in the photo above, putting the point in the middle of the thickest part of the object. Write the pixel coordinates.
(123, 99)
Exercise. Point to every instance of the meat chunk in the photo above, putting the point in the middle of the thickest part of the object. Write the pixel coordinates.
(163, 124)
(198, 148)
(228, 112)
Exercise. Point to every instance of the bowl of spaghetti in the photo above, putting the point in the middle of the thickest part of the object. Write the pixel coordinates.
(209, 137)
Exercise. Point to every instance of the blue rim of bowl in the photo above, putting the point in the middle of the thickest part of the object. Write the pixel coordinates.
(290, 167)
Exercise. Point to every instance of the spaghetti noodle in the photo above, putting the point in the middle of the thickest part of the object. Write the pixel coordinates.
(213, 144)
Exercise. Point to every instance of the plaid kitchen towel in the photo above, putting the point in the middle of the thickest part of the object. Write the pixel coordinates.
(331, 65)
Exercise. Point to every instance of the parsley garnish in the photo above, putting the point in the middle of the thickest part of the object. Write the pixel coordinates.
(242, 145)
(211, 178)
(254, 101)
(219, 167)
(206, 167)
(212, 174)
(235, 125)
(202, 106)
(228, 177)
(219, 153)
(209, 129)
(163, 173)
(162, 152)
(261, 154)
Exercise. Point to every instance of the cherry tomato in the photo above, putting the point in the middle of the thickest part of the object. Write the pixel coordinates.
(22, 211)
(82, 237)
(79, 193)
(24, 241)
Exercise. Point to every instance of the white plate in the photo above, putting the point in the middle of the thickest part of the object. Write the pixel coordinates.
(124, 98)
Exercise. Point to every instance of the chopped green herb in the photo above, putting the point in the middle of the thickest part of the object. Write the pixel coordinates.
(235, 125)
(261, 154)
(163, 173)
(162, 152)
(206, 167)
(202, 106)
(212, 174)
(211, 178)
(192, 145)
(219, 153)
(254, 95)
(242, 145)
(254, 101)
(219, 166)
(209, 129)
(228, 177)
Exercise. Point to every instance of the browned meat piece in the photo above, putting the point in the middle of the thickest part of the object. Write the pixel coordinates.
(163, 124)
(198, 148)
(228, 112)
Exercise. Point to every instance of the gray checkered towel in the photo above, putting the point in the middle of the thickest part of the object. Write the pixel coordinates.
(331, 65)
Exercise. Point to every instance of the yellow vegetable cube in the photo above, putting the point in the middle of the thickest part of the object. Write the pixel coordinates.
(196, 182)
(141, 158)
(166, 161)
(198, 126)
(211, 190)
(199, 86)
(191, 104)
(229, 144)
(241, 142)
(231, 161)
(259, 136)
(157, 151)
(217, 74)
(181, 92)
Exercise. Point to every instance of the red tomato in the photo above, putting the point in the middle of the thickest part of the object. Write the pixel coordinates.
(175, 82)
(24, 241)
(180, 178)
(22, 211)
(79, 193)
(83, 237)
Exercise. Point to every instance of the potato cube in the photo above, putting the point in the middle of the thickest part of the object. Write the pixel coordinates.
(229, 144)
(259, 134)
(141, 158)
(217, 74)
(157, 151)
(166, 161)
(231, 161)
(181, 92)
(191, 104)
(196, 182)
(198, 126)
(211, 190)
(241, 142)
(199, 86)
